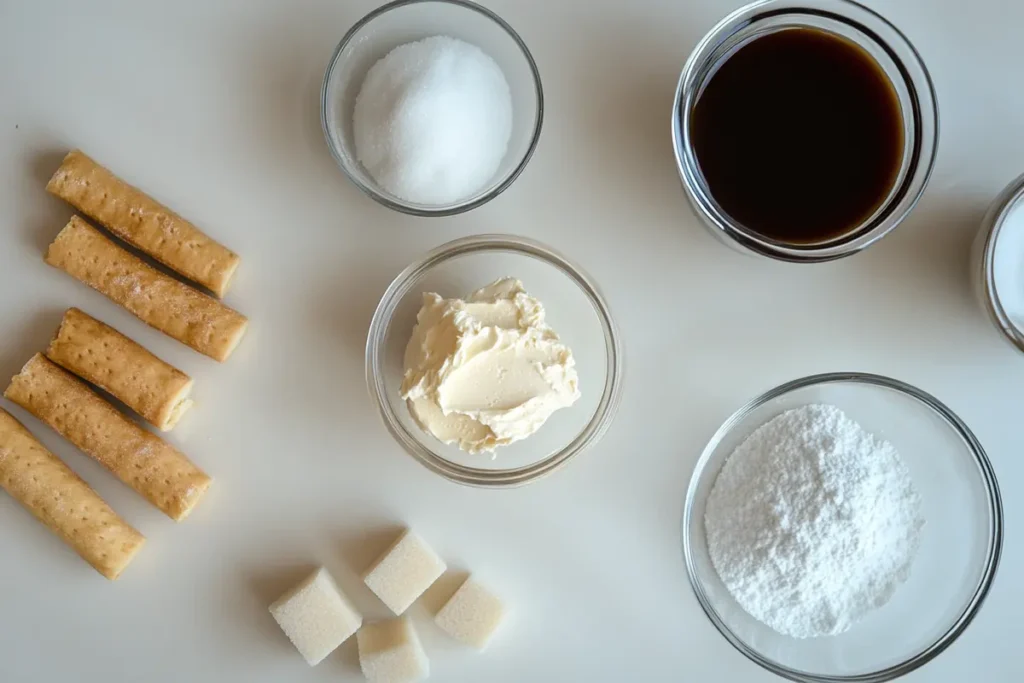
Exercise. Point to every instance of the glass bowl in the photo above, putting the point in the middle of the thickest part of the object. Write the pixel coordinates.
(960, 504)
(995, 257)
(894, 54)
(405, 21)
(575, 310)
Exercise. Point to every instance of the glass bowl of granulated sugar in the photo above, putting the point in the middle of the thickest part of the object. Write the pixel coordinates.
(432, 107)
(842, 527)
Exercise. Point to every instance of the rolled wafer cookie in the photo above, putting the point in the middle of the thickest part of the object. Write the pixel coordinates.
(174, 308)
(143, 222)
(59, 498)
(100, 354)
(154, 468)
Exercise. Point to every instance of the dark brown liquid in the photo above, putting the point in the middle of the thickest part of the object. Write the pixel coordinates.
(799, 136)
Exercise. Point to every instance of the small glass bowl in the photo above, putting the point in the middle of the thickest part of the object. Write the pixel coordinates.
(575, 310)
(404, 21)
(961, 506)
(890, 49)
(995, 251)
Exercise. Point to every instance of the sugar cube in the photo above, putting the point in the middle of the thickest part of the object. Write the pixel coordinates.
(390, 652)
(472, 615)
(404, 571)
(316, 616)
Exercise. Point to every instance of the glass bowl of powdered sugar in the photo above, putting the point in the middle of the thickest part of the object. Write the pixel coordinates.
(432, 107)
(842, 527)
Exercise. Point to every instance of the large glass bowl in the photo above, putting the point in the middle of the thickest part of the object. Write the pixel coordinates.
(575, 310)
(960, 545)
(404, 21)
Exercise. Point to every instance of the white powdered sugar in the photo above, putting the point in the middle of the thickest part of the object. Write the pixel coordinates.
(813, 522)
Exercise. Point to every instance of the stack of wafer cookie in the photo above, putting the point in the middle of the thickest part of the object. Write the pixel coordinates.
(159, 300)
(58, 387)
(53, 388)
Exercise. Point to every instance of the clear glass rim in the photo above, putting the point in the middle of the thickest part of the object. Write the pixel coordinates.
(994, 546)
(923, 119)
(394, 203)
(1009, 200)
(471, 476)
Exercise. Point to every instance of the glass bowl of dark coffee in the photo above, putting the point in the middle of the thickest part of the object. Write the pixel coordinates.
(804, 131)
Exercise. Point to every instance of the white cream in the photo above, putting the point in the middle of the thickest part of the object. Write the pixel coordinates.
(486, 371)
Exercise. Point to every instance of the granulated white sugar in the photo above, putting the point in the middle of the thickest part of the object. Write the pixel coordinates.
(813, 522)
(432, 120)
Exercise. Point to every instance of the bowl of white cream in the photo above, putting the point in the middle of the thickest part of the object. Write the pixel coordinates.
(432, 107)
(494, 361)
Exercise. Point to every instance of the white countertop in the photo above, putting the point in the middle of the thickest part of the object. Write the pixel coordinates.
(212, 107)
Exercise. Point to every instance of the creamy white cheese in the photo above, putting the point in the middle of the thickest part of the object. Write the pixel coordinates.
(486, 371)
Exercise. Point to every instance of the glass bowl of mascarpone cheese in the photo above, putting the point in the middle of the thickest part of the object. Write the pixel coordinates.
(494, 361)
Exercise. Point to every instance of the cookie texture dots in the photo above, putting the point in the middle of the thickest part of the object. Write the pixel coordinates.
(103, 356)
(59, 498)
(390, 652)
(472, 615)
(160, 301)
(156, 470)
(143, 222)
(316, 616)
(404, 571)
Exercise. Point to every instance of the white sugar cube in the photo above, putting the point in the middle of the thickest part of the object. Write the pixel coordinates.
(316, 616)
(472, 615)
(404, 571)
(390, 652)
